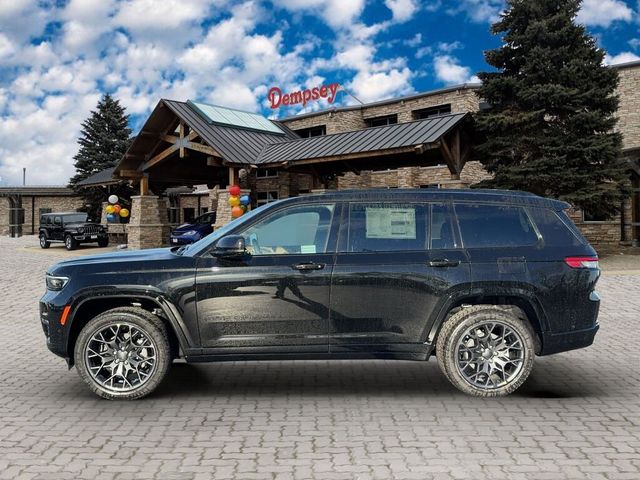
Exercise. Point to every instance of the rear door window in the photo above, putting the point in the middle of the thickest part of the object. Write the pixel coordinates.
(442, 236)
(387, 227)
(484, 225)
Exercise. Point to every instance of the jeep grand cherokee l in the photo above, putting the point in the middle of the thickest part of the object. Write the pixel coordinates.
(484, 280)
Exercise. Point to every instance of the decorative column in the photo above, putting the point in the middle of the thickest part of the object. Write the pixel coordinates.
(223, 210)
(149, 225)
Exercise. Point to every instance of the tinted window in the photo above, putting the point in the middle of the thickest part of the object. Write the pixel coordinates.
(79, 218)
(386, 227)
(494, 226)
(441, 231)
(57, 220)
(302, 229)
(554, 231)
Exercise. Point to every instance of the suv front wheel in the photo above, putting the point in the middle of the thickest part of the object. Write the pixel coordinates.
(485, 351)
(123, 353)
(70, 243)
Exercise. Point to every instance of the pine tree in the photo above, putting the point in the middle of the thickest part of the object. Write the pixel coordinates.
(549, 128)
(103, 141)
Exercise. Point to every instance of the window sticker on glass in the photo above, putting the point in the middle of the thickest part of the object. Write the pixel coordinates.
(391, 222)
(307, 249)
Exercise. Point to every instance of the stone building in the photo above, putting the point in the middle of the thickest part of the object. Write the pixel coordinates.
(33, 201)
(415, 141)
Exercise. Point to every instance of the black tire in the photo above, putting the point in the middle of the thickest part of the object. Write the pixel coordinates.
(142, 321)
(452, 351)
(70, 243)
(44, 243)
(103, 242)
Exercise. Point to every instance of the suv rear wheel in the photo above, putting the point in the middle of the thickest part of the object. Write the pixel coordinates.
(70, 243)
(485, 351)
(44, 243)
(123, 353)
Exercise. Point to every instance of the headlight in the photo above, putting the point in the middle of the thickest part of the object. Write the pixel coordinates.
(56, 283)
(80, 230)
(190, 232)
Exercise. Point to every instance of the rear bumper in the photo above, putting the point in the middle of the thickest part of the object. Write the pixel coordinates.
(562, 342)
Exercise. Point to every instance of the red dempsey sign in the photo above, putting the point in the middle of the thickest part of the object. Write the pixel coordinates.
(277, 98)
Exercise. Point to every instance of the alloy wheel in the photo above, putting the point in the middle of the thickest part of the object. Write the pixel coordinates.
(120, 357)
(490, 355)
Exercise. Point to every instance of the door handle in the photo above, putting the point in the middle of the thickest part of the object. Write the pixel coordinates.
(443, 262)
(307, 266)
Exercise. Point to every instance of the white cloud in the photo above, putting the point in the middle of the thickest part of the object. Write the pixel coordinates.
(402, 10)
(449, 71)
(22, 19)
(337, 13)
(624, 57)
(602, 13)
(480, 11)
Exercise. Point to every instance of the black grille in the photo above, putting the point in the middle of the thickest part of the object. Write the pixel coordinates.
(92, 229)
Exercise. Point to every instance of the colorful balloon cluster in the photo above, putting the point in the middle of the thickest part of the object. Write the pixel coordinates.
(114, 209)
(239, 204)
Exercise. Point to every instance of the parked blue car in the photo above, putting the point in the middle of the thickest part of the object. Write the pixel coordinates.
(192, 232)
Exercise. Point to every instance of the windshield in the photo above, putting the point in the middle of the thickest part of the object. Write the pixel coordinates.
(78, 218)
(203, 243)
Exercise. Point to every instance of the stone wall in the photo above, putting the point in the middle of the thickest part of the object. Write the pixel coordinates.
(629, 109)
(5, 206)
(336, 121)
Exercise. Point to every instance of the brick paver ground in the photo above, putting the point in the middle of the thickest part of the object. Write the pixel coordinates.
(577, 417)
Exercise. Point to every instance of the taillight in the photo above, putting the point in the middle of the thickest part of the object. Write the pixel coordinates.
(582, 262)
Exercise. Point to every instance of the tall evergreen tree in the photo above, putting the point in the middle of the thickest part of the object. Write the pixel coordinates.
(549, 128)
(103, 141)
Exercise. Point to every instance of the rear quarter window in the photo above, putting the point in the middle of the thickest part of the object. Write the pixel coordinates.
(483, 226)
(556, 231)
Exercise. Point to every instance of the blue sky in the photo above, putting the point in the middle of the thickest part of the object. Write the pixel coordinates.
(58, 56)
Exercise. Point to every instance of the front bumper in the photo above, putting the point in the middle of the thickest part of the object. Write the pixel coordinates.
(94, 237)
(55, 333)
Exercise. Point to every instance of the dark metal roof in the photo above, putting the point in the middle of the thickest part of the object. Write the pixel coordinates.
(235, 144)
(400, 135)
(38, 191)
(103, 177)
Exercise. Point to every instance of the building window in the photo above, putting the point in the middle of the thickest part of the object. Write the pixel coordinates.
(431, 185)
(312, 131)
(593, 217)
(267, 197)
(266, 173)
(382, 121)
(188, 214)
(203, 210)
(432, 111)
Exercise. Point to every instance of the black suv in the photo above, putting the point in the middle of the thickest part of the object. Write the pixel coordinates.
(72, 228)
(485, 280)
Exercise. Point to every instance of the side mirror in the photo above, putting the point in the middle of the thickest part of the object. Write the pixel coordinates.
(231, 246)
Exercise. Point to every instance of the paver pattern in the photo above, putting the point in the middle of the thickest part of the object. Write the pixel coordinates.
(577, 417)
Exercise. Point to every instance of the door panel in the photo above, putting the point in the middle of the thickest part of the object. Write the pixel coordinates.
(276, 297)
(381, 301)
(263, 302)
(388, 286)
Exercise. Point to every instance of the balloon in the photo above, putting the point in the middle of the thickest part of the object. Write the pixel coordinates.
(234, 190)
(234, 201)
(113, 199)
(244, 208)
(116, 208)
(111, 217)
(110, 209)
(124, 213)
(245, 200)
(236, 212)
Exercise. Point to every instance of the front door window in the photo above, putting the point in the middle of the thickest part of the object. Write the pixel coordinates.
(297, 230)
